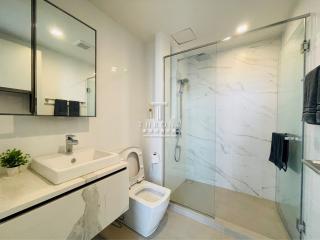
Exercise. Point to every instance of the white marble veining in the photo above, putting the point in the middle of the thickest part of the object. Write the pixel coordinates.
(230, 109)
(28, 188)
(81, 214)
(246, 116)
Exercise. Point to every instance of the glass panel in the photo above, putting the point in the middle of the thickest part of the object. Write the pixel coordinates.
(225, 101)
(290, 86)
(15, 57)
(190, 155)
(65, 64)
(247, 76)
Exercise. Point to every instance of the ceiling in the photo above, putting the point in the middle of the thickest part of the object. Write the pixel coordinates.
(210, 19)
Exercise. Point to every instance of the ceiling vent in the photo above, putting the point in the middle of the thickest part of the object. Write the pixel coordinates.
(82, 44)
(184, 36)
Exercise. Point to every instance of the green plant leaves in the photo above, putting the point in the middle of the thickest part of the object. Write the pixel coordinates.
(13, 158)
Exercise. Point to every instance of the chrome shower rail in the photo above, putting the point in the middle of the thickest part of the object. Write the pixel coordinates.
(238, 35)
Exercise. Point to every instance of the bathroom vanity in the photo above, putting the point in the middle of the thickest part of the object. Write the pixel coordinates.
(34, 208)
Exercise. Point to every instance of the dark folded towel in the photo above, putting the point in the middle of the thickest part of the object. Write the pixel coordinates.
(311, 97)
(279, 153)
(60, 107)
(74, 108)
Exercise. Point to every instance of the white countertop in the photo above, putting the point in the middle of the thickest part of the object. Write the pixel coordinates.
(28, 188)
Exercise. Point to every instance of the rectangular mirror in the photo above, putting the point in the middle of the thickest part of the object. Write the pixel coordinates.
(16, 86)
(66, 64)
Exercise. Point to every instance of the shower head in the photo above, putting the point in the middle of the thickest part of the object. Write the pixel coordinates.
(202, 57)
(183, 81)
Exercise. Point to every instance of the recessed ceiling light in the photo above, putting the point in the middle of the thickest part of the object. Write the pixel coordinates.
(242, 28)
(56, 32)
(226, 39)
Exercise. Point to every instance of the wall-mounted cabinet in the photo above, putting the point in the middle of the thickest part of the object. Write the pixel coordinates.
(16, 82)
(48, 61)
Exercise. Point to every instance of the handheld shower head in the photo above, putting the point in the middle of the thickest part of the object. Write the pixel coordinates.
(181, 83)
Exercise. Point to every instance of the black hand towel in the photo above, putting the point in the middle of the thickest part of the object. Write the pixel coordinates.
(311, 97)
(74, 108)
(318, 97)
(60, 107)
(279, 153)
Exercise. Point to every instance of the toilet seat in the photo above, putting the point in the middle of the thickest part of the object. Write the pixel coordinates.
(149, 194)
(134, 158)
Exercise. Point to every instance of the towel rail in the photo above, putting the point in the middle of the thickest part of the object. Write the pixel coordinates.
(50, 101)
(292, 138)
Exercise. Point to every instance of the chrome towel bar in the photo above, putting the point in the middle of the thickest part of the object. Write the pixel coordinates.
(50, 101)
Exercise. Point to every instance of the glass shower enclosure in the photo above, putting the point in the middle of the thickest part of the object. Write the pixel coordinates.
(224, 100)
(190, 154)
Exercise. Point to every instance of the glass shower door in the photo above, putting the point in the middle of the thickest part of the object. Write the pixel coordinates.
(190, 152)
(290, 90)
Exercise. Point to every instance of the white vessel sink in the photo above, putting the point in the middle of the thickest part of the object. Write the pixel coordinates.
(61, 167)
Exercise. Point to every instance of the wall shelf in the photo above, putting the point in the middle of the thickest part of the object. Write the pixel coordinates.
(14, 90)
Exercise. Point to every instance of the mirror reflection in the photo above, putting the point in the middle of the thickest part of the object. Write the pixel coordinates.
(65, 80)
(15, 57)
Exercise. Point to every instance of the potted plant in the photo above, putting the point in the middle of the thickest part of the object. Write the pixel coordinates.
(12, 160)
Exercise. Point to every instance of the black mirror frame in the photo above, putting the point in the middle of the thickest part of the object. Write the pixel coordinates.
(33, 94)
(33, 100)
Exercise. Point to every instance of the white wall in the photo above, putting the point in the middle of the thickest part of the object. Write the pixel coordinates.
(156, 50)
(15, 54)
(147, 144)
(61, 77)
(121, 95)
(13, 57)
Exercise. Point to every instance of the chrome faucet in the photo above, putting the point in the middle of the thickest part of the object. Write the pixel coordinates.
(70, 141)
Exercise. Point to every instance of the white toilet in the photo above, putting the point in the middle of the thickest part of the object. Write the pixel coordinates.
(148, 201)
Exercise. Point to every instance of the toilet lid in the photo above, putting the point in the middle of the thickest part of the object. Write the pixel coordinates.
(135, 164)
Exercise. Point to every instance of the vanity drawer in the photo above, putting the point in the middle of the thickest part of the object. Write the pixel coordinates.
(81, 214)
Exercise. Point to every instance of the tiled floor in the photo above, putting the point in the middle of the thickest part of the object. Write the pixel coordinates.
(195, 195)
(252, 213)
(239, 213)
(172, 227)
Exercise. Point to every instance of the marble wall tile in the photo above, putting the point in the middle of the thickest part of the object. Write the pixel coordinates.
(229, 113)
